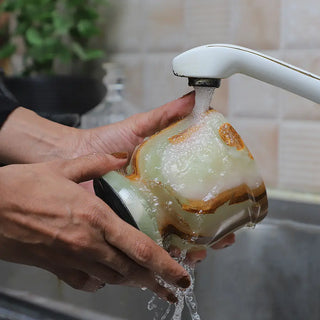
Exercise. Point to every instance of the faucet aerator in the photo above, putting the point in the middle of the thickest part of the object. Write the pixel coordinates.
(204, 82)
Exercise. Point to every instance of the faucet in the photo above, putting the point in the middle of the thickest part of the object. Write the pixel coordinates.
(206, 65)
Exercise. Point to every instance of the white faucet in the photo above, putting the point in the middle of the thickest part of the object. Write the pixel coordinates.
(206, 65)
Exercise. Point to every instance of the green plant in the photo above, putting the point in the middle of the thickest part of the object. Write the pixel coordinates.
(52, 31)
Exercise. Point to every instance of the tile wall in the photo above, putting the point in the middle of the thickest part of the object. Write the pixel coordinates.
(281, 129)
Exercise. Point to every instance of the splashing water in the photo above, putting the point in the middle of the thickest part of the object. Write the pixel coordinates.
(185, 297)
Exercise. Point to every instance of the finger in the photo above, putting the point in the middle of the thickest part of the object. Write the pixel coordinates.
(195, 256)
(126, 272)
(90, 166)
(225, 242)
(150, 122)
(144, 251)
(87, 263)
(101, 272)
(148, 280)
(132, 274)
(163, 293)
(77, 279)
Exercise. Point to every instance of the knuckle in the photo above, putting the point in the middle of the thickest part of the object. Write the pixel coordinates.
(79, 242)
(95, 213)
(143, 252)
(113, 235)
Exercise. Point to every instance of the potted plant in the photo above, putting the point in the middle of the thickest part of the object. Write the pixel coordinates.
(54, 39)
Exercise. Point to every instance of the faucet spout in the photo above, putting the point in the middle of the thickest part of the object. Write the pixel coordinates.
(220, 61)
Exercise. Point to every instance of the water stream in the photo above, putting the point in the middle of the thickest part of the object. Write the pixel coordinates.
(185, 297)
(203, 100)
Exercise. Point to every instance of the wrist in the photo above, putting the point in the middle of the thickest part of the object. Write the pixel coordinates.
(25, 137)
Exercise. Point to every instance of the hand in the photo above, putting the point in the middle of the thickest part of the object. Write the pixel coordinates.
(49, 221)
(26, 137)
(44, 140)
(125, 135)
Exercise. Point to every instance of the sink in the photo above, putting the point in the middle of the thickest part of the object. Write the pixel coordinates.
(270, 273)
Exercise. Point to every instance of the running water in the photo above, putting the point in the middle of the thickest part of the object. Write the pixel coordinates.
(203, 100)
(185, 297)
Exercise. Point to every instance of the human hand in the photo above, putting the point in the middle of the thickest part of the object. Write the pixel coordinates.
(127, 134)
(47, 220)
(26, 137)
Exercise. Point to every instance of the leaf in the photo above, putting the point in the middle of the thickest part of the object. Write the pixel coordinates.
(92, 54)
(87, 29)
(79, 51)
(22, 28)
(86, 54)
(8, 6)
(33, 37)
(7, 50)
(61, 24)
(89, 13)
(41, 55)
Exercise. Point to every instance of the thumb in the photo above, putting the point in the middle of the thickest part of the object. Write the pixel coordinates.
(91, 166)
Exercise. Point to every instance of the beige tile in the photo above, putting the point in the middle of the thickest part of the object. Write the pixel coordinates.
(164, 26)
(261, 137)
(252, 98)
(132, 68)
(207, 21)
(299, 157)
(300, 24)
(124, 29)
(256, 24)
(160, 84)
(291, 105)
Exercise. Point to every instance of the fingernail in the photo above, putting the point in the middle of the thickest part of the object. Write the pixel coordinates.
(187, 94)
(120, 155)
(184, 282)
(172, 298)
(101, 285)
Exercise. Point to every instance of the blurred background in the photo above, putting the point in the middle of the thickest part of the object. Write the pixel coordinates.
(281, 130)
